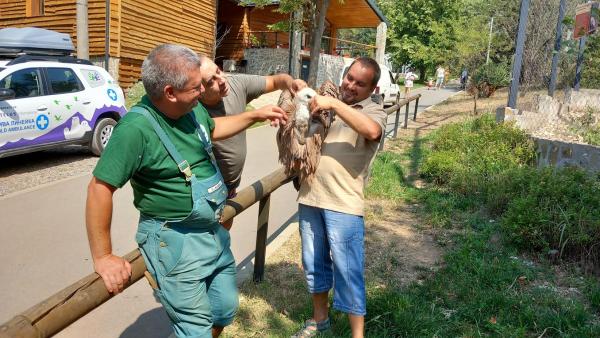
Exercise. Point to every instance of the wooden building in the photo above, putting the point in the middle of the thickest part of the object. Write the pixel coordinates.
(247, 26)
(136, 26)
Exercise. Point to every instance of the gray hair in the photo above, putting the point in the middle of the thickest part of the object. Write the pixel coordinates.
(167, 64)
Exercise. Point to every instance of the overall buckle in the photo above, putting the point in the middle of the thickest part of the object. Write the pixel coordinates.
(184, 167)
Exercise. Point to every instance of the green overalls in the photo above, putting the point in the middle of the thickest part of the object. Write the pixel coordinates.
(191, 259)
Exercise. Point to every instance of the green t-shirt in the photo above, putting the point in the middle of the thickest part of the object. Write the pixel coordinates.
(136, 153)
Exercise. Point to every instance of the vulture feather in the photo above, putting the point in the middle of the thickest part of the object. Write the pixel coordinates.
(300, 140)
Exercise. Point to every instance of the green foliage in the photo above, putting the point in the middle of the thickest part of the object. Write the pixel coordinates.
(591, 66)
(464, 152)
(551, 209)
(588, 126)
(134, 94)
(490, 77)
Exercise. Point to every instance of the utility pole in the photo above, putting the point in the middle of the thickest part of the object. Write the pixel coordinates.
(83, 47)
(487, 58)
(557, 46)
(518, 62)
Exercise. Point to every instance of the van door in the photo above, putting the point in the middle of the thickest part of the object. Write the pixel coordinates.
(23, 118)
(68, 104)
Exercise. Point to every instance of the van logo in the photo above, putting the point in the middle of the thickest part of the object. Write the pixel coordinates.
(112, 94)
(42, 122)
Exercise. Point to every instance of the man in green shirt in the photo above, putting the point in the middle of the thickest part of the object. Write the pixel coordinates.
(163, 146)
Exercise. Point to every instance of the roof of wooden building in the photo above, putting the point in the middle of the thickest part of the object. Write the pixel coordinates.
(349, 13)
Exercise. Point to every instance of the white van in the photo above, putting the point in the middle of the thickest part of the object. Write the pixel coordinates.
(386, 86)
(50, 100)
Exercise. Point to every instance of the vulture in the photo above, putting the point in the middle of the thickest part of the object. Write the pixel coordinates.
(299, 141)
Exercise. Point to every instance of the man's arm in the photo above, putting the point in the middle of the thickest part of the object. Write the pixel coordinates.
(358, 121)
(114, 270)
(228, 126)
(282, 82)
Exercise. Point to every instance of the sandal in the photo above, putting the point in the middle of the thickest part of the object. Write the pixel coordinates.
(312, 328)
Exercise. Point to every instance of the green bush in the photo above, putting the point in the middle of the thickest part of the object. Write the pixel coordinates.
(489, 165)
(489, 77)
(465, 155)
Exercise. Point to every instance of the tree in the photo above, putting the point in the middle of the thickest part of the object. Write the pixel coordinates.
(422, 31)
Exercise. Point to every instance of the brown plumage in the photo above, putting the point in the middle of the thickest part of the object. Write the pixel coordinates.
(300, 140)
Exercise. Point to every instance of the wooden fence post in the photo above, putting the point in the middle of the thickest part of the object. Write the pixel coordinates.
(261, 238)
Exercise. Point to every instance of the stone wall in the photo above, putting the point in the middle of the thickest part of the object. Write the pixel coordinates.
(552, 125)
(566, 154)
(269, 61)
(266, 61)
(330, 68)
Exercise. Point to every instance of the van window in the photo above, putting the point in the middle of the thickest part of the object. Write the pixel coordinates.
(24, 82)
(63, 80)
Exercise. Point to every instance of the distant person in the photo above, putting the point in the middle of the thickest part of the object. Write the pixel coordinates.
(464, 78)
(440, 73)
(409, 77)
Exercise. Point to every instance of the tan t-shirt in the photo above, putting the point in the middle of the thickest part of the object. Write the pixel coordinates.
(345, 159)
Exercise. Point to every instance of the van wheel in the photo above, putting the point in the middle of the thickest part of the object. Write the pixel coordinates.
(101, 135)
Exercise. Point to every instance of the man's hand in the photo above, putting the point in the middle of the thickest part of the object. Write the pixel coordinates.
(276, 115)
(321, 102)
(114, 270)
(297, 85)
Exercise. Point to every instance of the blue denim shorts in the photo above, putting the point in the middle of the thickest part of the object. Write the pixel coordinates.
(333, 254)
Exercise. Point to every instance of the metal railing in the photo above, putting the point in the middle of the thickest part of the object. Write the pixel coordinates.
(73, 302)
(396, 108)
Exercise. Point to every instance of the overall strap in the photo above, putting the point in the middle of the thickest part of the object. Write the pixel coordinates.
(182, 164)
(203, 136)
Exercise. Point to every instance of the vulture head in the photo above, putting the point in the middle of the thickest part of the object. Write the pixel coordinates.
(302, 114)
(300, 140)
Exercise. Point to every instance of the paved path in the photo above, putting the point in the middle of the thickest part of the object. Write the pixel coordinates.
(45, 245)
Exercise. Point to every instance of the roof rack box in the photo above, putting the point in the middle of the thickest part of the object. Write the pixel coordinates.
(34, 41)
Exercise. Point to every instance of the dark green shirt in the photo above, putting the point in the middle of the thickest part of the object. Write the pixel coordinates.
(136, 153)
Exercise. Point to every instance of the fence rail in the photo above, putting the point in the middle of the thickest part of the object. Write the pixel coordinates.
(73, 302)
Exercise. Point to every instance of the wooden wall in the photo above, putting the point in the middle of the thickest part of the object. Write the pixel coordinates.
(260, 18)
(244, 21)
(136, 26)
(59, 15)
(147, 23)
(233, 18)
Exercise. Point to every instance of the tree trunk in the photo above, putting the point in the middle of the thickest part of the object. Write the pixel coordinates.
(315, 41)
(475, 103)
(422, 73)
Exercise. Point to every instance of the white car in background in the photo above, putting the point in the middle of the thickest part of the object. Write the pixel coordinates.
(386, 87)
(48, 99)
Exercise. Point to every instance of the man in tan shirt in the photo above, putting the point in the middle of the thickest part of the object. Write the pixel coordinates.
(331, 206)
